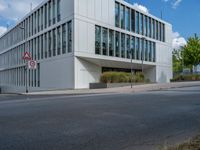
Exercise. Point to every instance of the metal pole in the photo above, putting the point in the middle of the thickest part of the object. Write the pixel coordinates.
(27, 71)
(131, 69)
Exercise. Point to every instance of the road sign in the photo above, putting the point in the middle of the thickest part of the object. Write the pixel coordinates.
(32, 64)
(27, 56)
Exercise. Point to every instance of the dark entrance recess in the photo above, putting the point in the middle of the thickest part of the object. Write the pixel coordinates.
(107, 69)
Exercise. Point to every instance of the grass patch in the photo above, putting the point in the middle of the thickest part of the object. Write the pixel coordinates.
(193, 144)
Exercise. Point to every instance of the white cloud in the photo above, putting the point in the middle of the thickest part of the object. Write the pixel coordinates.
(141, 7)
(2, 30)
(178, 41)
(174, 3)
(16, 9)
(2, 7)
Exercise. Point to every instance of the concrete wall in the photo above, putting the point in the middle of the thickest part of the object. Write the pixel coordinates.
(85, 73)
(164, 58)
(96, 10)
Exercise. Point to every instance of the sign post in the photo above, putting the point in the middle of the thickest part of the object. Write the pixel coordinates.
(27, 58)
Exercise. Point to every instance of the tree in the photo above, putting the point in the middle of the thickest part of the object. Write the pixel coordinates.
(191, 52)
(177, 61)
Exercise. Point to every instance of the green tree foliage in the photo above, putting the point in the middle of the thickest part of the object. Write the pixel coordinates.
(177, 61)
(191, 52)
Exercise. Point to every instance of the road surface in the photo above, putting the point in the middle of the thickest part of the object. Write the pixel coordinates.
(134, 121)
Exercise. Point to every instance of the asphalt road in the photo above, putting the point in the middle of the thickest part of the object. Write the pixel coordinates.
(141, 121)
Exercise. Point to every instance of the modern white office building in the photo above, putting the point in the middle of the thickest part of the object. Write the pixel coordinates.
(74, 41)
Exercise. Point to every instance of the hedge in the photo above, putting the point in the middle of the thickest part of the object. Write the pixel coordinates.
(122, 77)
(186, 78)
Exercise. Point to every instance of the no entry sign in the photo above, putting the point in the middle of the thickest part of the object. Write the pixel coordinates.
(32, 64)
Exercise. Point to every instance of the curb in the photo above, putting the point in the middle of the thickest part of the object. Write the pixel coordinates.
(120, 90)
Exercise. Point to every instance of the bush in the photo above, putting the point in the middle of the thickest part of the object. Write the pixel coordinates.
(190, 77)
(122, 77)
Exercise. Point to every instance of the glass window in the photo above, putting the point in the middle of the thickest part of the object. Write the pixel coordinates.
(141, 23)
(105, 41)
(45, 21)
(42, 18)
(157, 34)
(49, 14)
(133, 47)
(38, 74)
(50, 43)
(58, 41)
(163, 38)
(122, 16)
(54, 42)
(154, 51)
(137, 22)
(35, 22)
(150, 51)
(148, 27)
(45, 45)
(128, 49)
(132, 20)
(149, 24)
(153, 28)
(58, 11)
(38, 20)
(111, 42)
(54, 12)
(117, 14)
(142, 49)
(69, 35)
(137, 46)
(42, 47)
(117, 44)
(32, 30)
(29, 26)
(127, 19)
(146, 51)
(64, 40)
(97, 40)
(145, 25)
(161, 32)
(122, 45)
(38, 47)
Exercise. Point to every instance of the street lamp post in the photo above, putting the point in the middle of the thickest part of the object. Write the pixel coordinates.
(26, 68)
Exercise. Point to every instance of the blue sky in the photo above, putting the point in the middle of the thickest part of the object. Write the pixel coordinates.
(184, 15)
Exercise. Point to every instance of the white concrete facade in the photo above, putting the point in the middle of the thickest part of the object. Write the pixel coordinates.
(79, 65)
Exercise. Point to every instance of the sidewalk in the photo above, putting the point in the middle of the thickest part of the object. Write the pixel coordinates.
(136, 88)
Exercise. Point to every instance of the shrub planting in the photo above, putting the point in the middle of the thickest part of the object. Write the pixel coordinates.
(179, 78)
(122, 77)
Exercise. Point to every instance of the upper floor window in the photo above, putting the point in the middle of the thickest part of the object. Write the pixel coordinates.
(122, 16)
(97, 40)
(127, 19)
(137, 22)
(117, 14)
(58, 11)
(54, 12)
(69, 26)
